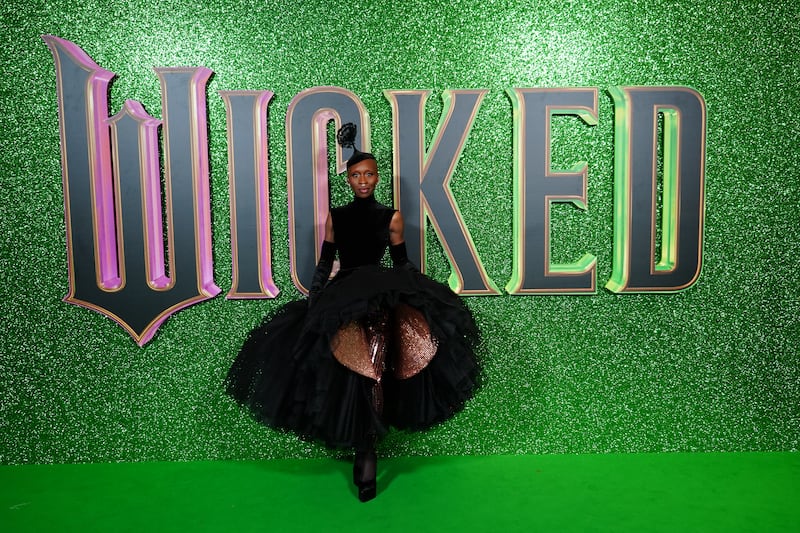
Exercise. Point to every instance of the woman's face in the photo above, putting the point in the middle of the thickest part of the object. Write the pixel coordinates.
(362, 178)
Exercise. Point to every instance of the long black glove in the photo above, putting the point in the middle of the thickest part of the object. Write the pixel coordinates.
(400, 257)
(322, 272)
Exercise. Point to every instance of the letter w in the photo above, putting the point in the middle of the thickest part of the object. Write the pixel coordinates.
(115, 234)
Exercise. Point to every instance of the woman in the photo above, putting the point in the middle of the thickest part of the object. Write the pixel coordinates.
(375, 347)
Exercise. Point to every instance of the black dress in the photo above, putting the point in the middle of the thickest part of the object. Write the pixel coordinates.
(306, 369)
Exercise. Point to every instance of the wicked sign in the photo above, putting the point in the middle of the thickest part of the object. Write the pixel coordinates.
(113, 197)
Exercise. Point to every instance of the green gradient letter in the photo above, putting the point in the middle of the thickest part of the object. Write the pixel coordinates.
(536, 186)
(639, 265)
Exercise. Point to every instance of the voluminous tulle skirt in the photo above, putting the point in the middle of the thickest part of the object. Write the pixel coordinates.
(287, 375)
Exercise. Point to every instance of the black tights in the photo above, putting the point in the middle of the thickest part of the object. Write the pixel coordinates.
(365, 465)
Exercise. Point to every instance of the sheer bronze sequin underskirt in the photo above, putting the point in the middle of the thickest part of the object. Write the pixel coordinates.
(398, 340)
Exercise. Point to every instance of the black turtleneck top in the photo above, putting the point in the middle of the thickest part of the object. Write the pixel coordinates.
(361, 230)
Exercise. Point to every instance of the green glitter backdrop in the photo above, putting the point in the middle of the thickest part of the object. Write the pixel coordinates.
(713, 368)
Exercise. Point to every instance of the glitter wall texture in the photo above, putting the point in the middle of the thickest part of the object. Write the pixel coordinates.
(713, 368)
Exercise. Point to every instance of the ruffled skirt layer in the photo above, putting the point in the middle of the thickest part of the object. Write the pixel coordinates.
(289, 377)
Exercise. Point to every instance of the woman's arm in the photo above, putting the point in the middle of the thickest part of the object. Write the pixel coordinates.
(329, 229)
(325, 264)
(397, 243)
(395, 229)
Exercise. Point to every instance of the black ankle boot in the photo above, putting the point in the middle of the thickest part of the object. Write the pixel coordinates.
(364, 470)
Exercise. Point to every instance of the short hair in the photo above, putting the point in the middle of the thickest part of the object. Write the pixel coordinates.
(358, 157)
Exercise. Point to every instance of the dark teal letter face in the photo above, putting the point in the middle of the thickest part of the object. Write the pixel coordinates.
(537, 186)
(640, 265)
(422, 182)
(307, 169)
(248, 172)
(115, 237)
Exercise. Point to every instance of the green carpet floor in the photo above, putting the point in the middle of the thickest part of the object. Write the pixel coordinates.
(757, 492)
